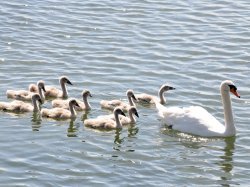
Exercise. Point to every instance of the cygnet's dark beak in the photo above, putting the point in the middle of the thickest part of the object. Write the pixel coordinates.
(137, 114)
(133, 96)
(171, 88)
(40, 101)
(122, 113)
(68, 81)
(43, 88)
(76, 104)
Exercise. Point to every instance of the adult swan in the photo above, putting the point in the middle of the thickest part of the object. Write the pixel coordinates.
(198, 121)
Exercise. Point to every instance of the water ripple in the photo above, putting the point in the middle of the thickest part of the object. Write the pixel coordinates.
(108, 47)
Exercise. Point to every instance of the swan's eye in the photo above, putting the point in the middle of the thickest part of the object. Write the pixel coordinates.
(232, 87)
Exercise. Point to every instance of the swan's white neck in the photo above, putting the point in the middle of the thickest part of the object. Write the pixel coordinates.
(64, 89)
(86, 103)
(117, 121)
(35, 105)
(72, 110)
(228, 113)
(161, 96)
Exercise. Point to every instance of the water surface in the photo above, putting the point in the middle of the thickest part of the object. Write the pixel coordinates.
(111, 46)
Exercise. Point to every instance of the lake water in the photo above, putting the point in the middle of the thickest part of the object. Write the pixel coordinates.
(108, 47)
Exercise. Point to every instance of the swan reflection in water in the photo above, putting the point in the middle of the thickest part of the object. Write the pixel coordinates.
(226, 162)
(121, 141)
(118, 139)
(73, 128)
(85, 115)
(132, 131)
(36, 121)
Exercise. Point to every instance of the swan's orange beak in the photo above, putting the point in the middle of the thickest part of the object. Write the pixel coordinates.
(233, 91)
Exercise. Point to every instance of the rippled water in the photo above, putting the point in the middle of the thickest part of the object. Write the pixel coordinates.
(110, 46)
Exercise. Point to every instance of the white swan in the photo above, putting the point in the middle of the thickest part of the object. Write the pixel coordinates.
(147, 98)
(61, 113)
(20, 106)
(106, 123)
(83, 105)
(197, 121)
(51, 91)
(110, 105)
(25, 95)
(124, 119)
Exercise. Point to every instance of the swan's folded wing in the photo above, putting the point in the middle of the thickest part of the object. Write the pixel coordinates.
(191, 119)
(203, 118)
